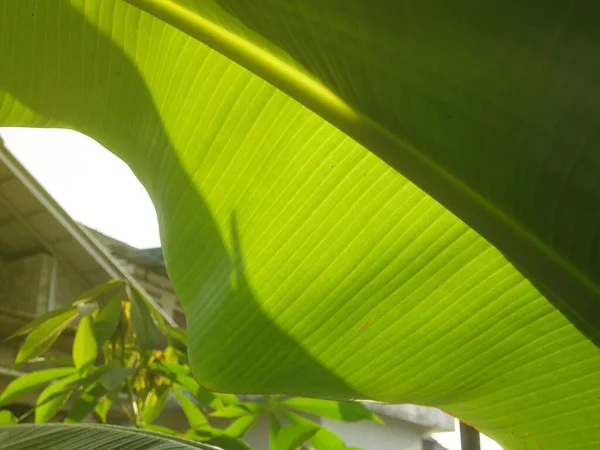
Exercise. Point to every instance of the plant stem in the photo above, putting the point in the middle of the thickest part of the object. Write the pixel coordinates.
(134, 406)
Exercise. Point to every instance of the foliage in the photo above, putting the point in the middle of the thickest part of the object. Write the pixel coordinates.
(114, 371)
(274, 138)
(88, 436)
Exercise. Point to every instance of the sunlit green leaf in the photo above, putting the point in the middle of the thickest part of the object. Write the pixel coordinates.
(111, 377)
(324, 439)
(102, 407)
(99, 290)
(53, 361)
(101, 380)
(86, 403)
(85, 349)
(53, 398)
(195, 416)
(344, 411)
(153, 309)
(154, 403)
(239, 426)
(107, 320)
(7, 418)
(202, 434)
(25, 329)
(178, 338)
(143, 323)
(231, 412)
(172, 370)
(290, 437)
(45, 334)
(274, 428)
(181, 375)
(29, 382)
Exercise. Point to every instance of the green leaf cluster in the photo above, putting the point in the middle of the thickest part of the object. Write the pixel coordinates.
(123, 363)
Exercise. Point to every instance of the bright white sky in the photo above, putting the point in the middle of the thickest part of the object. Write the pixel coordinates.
(95, 187)
(99, 190)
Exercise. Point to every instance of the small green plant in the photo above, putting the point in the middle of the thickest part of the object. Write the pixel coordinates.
(126, 365)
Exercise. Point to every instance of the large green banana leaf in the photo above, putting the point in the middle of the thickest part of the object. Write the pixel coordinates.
(308, 264)
(89, 437)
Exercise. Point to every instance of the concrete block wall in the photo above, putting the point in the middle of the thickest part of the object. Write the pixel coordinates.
(25, 283)
(68, 286)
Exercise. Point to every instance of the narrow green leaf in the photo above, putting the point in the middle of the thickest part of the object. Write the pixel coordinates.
(85, 349)
(202, 434)
(195, 416)
(90, 436)
(107, 320)
(53, 398)
(40, 320)
(110, 380)
(29, 382)
(181, 375)
(44, 335)
(227, 399)
(177, 338)
(230, 412)
(86, 403)
(7, 418)
(97, 291)
(150, 306)
(293, 436)
(274, 429)
(239, 426)
(171, 370)
(343, 411)
(55, 361)
(143, 324)
(112, 377)
(324, 439)
(102, 407)
(91, 377)
(154, 403)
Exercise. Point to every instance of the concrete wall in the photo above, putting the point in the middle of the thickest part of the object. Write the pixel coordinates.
(433, 419)
(257, 437)
(394, 435)
(68, 286)
(366, 435)
(25, 283)
(34, 283)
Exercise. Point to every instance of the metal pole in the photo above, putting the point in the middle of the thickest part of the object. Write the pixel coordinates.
(469, 437)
